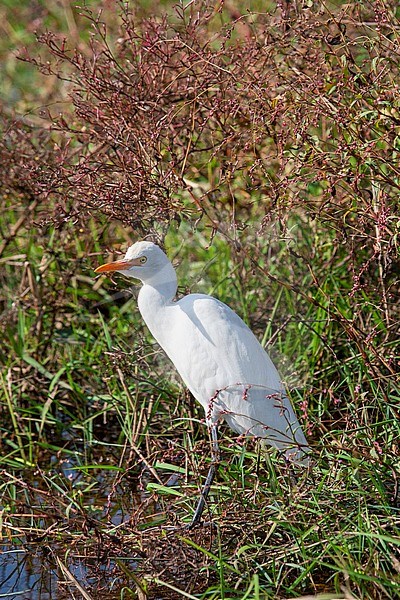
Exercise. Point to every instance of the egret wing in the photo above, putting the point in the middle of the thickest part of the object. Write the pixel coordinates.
(228, 371)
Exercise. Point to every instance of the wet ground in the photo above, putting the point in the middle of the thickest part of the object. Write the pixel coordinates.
(33, 574)
(71, 532)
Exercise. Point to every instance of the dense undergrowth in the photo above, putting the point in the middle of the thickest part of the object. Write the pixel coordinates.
(260, 144)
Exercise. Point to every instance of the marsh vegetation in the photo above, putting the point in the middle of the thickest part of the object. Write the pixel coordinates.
(261, 144)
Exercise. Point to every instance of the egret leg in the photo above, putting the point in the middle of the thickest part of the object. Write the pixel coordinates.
(209, 479)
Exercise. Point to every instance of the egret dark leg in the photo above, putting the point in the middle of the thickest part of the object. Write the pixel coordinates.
(209, 479)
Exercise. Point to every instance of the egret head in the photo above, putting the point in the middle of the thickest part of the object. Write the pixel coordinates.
(143, 260)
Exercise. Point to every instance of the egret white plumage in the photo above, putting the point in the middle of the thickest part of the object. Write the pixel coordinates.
(218, 357)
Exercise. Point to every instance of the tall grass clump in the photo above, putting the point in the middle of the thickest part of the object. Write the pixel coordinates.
(261, 145)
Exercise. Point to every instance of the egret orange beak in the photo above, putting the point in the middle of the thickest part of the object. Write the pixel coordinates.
(118, 265)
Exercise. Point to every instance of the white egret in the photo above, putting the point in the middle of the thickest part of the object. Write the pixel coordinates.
(218, 357)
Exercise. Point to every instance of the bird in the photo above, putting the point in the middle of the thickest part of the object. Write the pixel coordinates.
(217, 356)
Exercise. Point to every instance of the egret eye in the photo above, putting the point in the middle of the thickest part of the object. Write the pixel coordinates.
(142, 260)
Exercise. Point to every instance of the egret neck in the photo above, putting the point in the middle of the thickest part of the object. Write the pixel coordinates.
(156, 293)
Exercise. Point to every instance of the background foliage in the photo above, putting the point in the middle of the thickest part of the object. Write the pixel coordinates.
(260, 143)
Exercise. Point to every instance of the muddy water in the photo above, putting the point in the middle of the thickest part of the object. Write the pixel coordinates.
(51, 546)
(23, 575)
(35, 574)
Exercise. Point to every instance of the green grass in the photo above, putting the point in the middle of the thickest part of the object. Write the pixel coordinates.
(94, 423)
(102, 450)
(93, 426)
